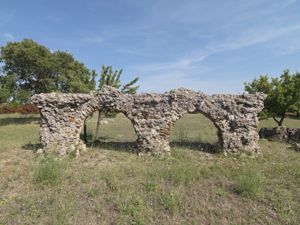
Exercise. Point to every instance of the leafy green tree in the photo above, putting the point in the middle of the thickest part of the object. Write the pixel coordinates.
(296, 107)
(282, 94)
(7, 87)
(29, 68)
(108, 77)
(70, 75)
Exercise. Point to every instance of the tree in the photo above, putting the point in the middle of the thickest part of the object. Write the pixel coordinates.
(7, 87)
(282, 94)
(296, 107)
(29, 68)
(111, 78)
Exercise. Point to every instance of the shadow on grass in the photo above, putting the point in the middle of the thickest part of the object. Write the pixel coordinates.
(294, 117)
(106, 142)
(132, 146)
(32, 147)
(116, 146)
(197, 146)
(18, 120)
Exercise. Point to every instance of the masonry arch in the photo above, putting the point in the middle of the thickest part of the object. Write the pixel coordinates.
(116, 130)
(196, 131)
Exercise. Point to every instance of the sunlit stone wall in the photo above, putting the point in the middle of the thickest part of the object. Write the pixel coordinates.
(152, 116)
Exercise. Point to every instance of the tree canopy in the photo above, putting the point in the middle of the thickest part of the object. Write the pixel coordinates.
(29, 68)
(283, 94)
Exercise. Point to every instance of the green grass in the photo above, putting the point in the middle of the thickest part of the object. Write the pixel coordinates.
(21, 130)
(49, 172)
(170, 202)
(291, 122)
(191, 128)
(249, 183)
(108, 186)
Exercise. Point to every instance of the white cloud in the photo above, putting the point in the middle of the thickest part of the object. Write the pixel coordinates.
(190, 70)
(258, 36)
(94, 39)
(184, 72)
(6, 17)
(160, 82)
(7, 37)
(290, 46)
(180, 64)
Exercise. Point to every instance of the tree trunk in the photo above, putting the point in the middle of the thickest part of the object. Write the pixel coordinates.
(85, 133)
(279, 122)
(101, 116)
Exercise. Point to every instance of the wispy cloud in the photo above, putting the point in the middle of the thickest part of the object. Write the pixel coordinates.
(245, 39)
(94, 39)
(184, 72)
(6, 17)
(189, 70)
(291, 46)
(198, 81)
(258, 36)
(7, 37)
(184, 63)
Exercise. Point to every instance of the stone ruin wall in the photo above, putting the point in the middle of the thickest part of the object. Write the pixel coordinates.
(152, 116)
(283, 134)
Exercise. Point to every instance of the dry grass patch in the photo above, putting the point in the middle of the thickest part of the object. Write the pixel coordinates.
(118, 187)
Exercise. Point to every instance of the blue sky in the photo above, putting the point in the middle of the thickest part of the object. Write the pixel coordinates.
(208, 45)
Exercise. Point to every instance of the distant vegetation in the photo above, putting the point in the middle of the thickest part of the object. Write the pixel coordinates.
(16, 108)
(283, 94)
(29, 68)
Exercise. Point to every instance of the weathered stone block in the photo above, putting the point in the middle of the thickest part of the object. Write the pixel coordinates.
(281, 133)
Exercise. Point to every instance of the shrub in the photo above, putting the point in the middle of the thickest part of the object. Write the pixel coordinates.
(48, 172)
(133, 208)
(181, 174)
(169, 201)
(249, 183)
(22, 109)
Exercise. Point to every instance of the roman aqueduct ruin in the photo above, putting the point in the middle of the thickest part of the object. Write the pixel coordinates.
(152, 116)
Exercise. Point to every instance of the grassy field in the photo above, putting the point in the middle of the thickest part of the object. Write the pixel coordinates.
(110, 185)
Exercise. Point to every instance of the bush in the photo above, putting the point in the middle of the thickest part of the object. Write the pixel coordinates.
(22, 109)
(249, 183)
(48, 172)
(169, 201)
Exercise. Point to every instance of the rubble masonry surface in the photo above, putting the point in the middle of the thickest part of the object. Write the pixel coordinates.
(152, 116)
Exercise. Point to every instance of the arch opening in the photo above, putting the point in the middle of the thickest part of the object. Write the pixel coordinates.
(196, 131)
(116, 133)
